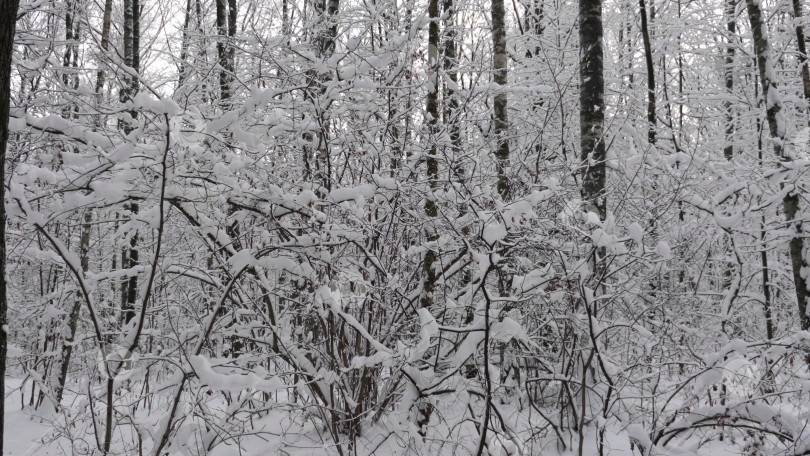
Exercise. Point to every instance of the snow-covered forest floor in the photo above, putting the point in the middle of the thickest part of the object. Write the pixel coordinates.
(278, 432)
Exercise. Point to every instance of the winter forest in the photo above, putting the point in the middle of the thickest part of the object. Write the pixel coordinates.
(405, 227)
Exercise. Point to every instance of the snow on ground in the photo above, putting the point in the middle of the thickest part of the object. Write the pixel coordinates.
(282, 432)
(24, 430)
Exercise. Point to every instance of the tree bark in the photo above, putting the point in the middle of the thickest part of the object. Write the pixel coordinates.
(432, 107)
(500, 113)
(285, 17)
(223, 53)
(797, 15)
(450, 67)
(327, 10)
(591, 105)
(534, 25)
(184, 45)
(776, 127)
(8, 22)
(763, 254)
(129, 255)
(645, 35)
(728, 149)
(328, 34)
(231, 37)
(731, 25)
(105, 44)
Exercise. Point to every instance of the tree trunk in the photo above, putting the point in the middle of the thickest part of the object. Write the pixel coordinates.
(500, 115)
(797, 15)
(70, 78)
(777, 129)
(136, 43)
(327, 10)
(534, 25)
(450, 66)
(7, 25)
(645, 35)
(425, 409)
(231, 37)
(226, 29)
(126, 92)
(105, 44)
(285, 17)
(432, 107)
(129, 256)
(329, 33)
(763, 254)
(223, 54)
(728, 150)
(184, 45)
(450, 111)
(591, 105)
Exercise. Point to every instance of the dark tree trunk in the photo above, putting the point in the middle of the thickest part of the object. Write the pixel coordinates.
(776, 127)
(731, 25)
(231, 37)
(450, 111)
(184, 45)
(500, 115)
(125, 93)
(105, 44)
(327, 11)
(285, 17)
(136, 43)
(450, 69)
(591, 105)
(7, 25)
(450, 66)
(432, 107)
(226, 29)
(797, 15)
(534, 25)
(130, 255)
(763, 255)
(223, 54)
(645, 35)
